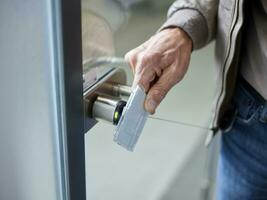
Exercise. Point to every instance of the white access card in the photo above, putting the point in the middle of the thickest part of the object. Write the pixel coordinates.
(132, 121)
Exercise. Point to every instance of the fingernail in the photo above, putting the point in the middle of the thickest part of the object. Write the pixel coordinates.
(151, 106)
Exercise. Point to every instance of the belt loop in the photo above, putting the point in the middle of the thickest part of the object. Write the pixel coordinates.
(263, 113)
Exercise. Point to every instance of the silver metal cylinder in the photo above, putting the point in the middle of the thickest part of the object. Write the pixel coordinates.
(104, 108)
(116, 89)
(124, 90)
(108, 109)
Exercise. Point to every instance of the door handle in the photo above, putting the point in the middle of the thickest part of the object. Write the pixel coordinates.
(107, 97)
(105, 92)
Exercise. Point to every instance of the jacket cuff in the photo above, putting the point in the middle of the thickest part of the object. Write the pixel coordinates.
(192, 22)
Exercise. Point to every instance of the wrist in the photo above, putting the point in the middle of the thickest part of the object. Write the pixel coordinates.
(179, 33)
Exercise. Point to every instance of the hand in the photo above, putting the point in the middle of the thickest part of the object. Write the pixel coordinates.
(160, 63)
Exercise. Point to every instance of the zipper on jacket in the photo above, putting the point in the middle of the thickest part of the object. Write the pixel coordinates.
(234, 17)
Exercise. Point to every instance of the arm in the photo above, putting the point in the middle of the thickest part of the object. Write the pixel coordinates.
(196, 17)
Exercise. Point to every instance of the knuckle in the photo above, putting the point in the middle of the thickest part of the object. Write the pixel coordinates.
(127, 56)
(158, 71)
(149, 58)
(143, 59)
(155, 55)
(130, 56)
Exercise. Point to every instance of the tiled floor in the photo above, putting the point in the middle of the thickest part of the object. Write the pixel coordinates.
(169, 159)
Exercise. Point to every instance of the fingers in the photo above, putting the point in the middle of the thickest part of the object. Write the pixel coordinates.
(146, 64)
(149, 65)
(159, 90)
(144, 78)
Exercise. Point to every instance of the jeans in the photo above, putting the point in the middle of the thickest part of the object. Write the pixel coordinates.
(242, 169)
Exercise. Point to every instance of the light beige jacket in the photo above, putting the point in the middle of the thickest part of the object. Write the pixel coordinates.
(205, 20)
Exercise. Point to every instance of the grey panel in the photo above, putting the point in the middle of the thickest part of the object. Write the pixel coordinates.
(30, 121)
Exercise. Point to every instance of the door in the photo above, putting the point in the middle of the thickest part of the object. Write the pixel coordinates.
(41, 110)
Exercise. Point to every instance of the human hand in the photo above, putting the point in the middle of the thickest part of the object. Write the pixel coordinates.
(160, 63)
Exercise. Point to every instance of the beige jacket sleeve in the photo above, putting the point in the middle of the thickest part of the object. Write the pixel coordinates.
(196, 17)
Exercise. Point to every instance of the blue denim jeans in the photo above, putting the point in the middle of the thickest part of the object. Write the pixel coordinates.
(242, 169)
